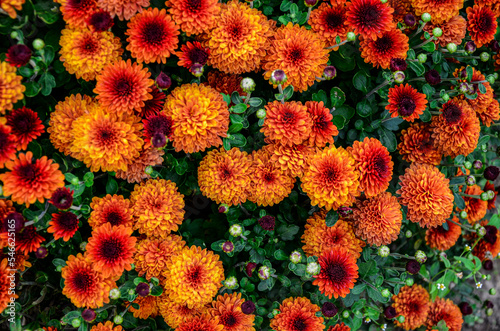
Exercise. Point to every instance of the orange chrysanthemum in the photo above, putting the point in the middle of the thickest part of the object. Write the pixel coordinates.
(374, 163)
(483, 100)
(223, 176)
(329, 22)
(112, 209)
(153, 106)
(269, 184)
(417, 145)
(380, 51)
(26, 126)
(7, 145)
(105, 140)
(108, 326)
(446, 310)
(300, 53)
(61, 120)
(21, 260)
(6, 207)
(175, 313)
(28, 240)
(83, 284)
(86, 53)
(412, 303)
(289, 122)
(454, 31)
(10, 7)
(322, 130)
(481, 24)
(124, 9)
(440, 10)
(193, 276)
(153, 255)
(227, 308)
(11, 89)
(193, 53)
(338, 273)
(401, 9)
(492, 113)
(292, 159)
(123, 87)
(331, 179)
(194, 17)
(441, 239)
(295, 312)
(200, 323)
(5, 285)
(148, 307)
(136, 171)
(239, 40)
(370, 18)
(407, 102)
(63, 225)
(378, 220)
(318, 238)
(200, 115)
(224, 83)
(31, 179)
(152, 36)
(76, 12)
(426, 193)
(456, 129)
(476, 208)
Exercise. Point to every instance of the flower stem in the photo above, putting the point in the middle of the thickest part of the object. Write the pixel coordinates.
(308, 13)
(463, 226)
(280, 88)
(337, 45)
(424, 43)
(470, 195)
(378, 88)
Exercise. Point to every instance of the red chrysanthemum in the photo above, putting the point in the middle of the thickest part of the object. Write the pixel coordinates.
(99, 21)
(446, 310)
(123, 87)
(407, 102)
(369, 18)
(192, 53)
(157, 124)
(374, 163)
(412, 303)
(62, 198)
(224, 83)
(194, 16)
(476, 208)
(28, 240)
(26, 126)
(152, 36)
(442, 239)
(7, 145)
(339, 327)
(379, 52)
(18, 55)
(488, 246)
(63, 225)
(329, 22)
(338, 273)
(154, 105)
(75, 12)
(111, 249)
(124, 9)
(297, 314)
(322, 130)
(417, 145)
(481, 24)
(112, 209)
(227, 308)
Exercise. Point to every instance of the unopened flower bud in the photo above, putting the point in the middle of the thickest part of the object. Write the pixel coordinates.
(413, 267)
(492, 291)
(163, 81)
(463, 214)
(451, 47)
(484, 56)
(249, 268)
(247, 85)
(38, 44)
(426, 17)
(487, 265)
(484, 196)
(467, 165)
(408, 234)
(248, 307)
(227, 247)
(295, 257)
(76, 323)
(264, 272)
(236, 230)
(489, 312)
(385, 293)
(481, 231)
(329, 73)
(142, 289)
(409, 282)
(345, 314)
(88, 315)
(465, 308)
(410, 20)
(494, 46)
(351, 36)
(470, 47)
(41, 252)
(231, 282)
(261, 113)
(437, 32)
(118, 319)
(445, 97)
(491, 79)
(464, 88)
(422, 58)
(399, 77)
(432, 77)
(491, 194)
(401, 319)
(344, 211)
(477, 164)
(197, 70)
(313, 268)
(83, 245)
(114, 294)
(278, 76)
(310, 3)
(470, 180)
(329, 309)
(383, 251)
(420, 257)
(390, 312)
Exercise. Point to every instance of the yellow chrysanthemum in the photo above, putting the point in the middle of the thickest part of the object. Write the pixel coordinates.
(177, 313)
(292, 159)
(10, 7)
(193, 276)
(85, 53)
(11, 89)
(200, 117)
(148, 307)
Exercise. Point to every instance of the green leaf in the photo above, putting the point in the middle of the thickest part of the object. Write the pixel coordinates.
(280, 255)
(111, 186)
(483, 140)
(429, 47)
(339, 121)
(238, 109)
(337, 96)
(388, 139)
(360, 81)
(459, 159)
(255, 102)
(426, 116)
(226, 143)
(238, 140)
(482, 88)
(367, 269)
(156, 291)
(32, 89)
(428, 90)
(363, 108)
(226, 98)
(284, 280)
(331, 218)
(288, 91)
(417, 67)
(494, 221)
(48, 54)
(468, 264)
(345, 111)
(469, 72)
(446, 262)
(287, 232)
(235, 98)
(235, 128)
(294, 9)
(376, 295)
(393, 123)
(262, 286)
(59, 262)
(285, 5)
(48, 82)
(70, 178)
(236, 118)
(320, 96)
(437, 57)
(358, 289)
(459, 201)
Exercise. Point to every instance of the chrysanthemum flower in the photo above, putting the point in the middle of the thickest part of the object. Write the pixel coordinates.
(200, 323)
(491, 203)
(331, 180)
(379, 52)
(369, 18)
(6, 207)
(148, 307)
(7, 145)
(63, 225)
(158, 207)
(378, 220)
(227, 308)
(136, 171)
(105, 140)
(124, 9)
(239, 39)
(407, 102)
(417, 145)
(440, 10)
(224, 83)
(269, 184)
(5, 280)
(18, 55)
(476, 208)
(329, 22)
(193, 276)
(152, 36)
(83, 284)
(108, 326)
(489, 245)
(192, 53)
(401, 9)
(481, 24)
(292, 159)
(322, 130)
(62, 198)
(446, 310)
(112, 209)
(31, 179)
(26, 126)
(194, 17)
(123, 86)
(289, 122)
(10, 7)
(300, 53)
(412, 303)
(492, 113)
(297, 314)
(155, 105)
(374, 163)
(28, 240)
(11, 89)
(99, 21)
(157, 124)
(426, 193)
(441, 239)
(456, 129)
(483, 100)
(152, 255)
(76, 12)
(200, 116)
(86, 53)
(338, 273)
(223, 176)
(175, 313)
(454, 31)
(111, 249)
(494, 5)
(21, 260)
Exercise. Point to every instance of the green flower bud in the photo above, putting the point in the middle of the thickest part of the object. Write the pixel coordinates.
(14, 34)
(118, 319)
(422, 58)
(248, 85)
(383, 251)
(295, 257)
(351, 36)
(261, 113)
(484, 196)
(409, 281)
(385, 293)
(114, 294)
(38, 44)
(420, 257)
(493, 291)
(445, 97)
(401, 319)
(408, 234)
(345, 314)
(491, 79)
(437, 32)
(451, 47)
(426, 17)
(468, 165)
(463, 214)
(485, 56)
(76, 323)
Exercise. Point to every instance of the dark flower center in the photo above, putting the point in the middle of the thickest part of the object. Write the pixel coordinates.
(68, 221)
(194, 275)
(111, 249)
(235, 31)
(320, 124)
(123, 87)
(106, 135)
(452, 113)
(384, 44)
(288, 117)
(224, 172)
(296, 55)
(153, 33)
(3, 140)
(114, 218)
(89, 46)
(22, 123)
(28, 173)
(485, 23)
(194, 5)
(299, 324)
(229, 319)
(83, 281)
(335, 273)
(406, 106)
(159, 124)
(334, 20)
(413, 307)
(198, 55)
(368, 15)
(330, 175)
(380, 166)
(269, 177)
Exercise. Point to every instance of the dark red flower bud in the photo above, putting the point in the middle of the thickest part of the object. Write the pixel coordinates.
(267, 222)
(413, 267)
(250, 267)
(397, 64)
(163, 81)
(13, 221)
(18, 55)
(491, 173)
(329, 309)
(488, 265)
(410, 20)
(248, 307)
(88, 315)
(390, 312)
(465, 308)
(432, 77)
(142, 289)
